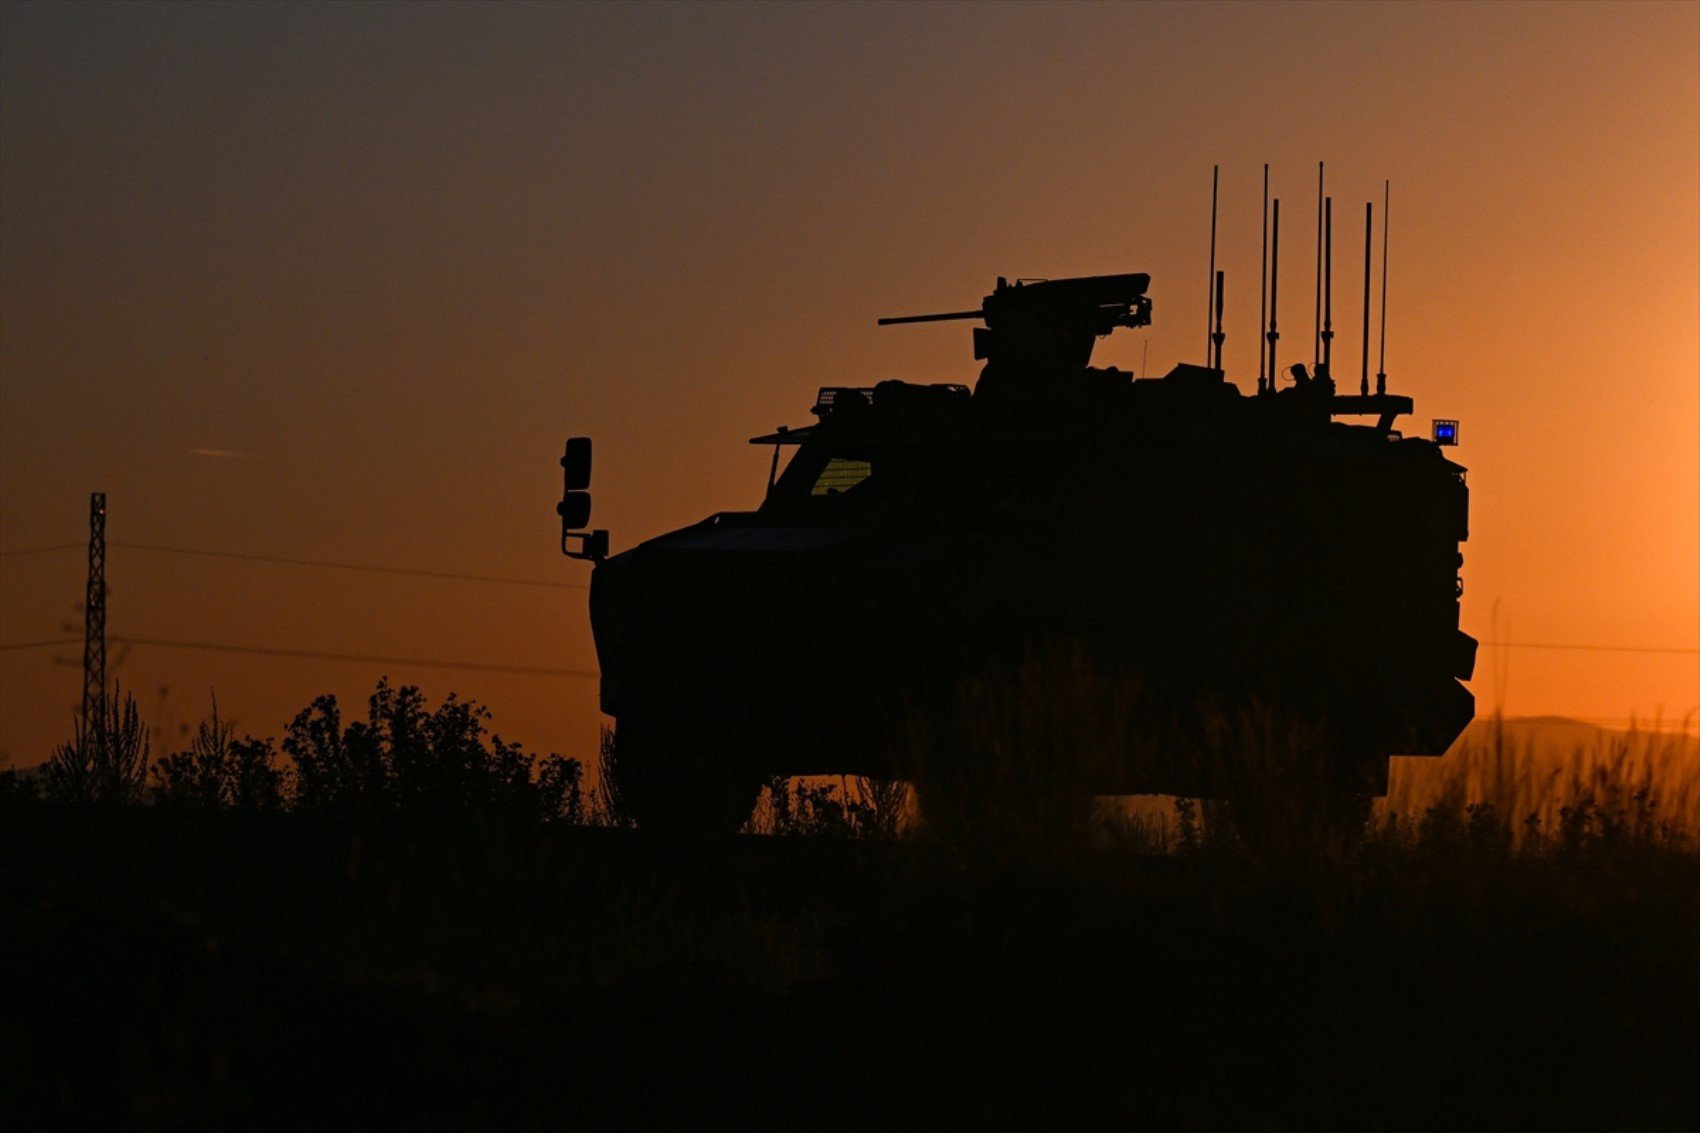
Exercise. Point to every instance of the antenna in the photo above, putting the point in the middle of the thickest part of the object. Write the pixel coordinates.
(1327, 288)
(94, 625)
(1263, 288)
(1386, 215)
(1219, 336)
(1209, 280)
(1274, 288)
(1369, 225)
(1316, 343)
(773, 470)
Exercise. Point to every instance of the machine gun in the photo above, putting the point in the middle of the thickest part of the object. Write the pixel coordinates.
(1047, 327)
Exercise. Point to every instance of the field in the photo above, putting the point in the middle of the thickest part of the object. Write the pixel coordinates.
(291, 965)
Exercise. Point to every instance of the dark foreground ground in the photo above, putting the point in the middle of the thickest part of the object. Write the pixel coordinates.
(281, 971)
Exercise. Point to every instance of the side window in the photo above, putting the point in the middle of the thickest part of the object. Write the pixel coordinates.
(840, 476)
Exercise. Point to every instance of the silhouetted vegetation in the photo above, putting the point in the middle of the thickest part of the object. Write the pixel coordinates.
(218, 770)
(845, 806)
(404, 758)
(401, 918)
(106, 761)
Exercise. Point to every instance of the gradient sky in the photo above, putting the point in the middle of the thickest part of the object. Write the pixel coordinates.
(335, 281)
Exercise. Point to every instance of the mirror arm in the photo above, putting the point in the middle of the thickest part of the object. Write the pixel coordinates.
(593, 546)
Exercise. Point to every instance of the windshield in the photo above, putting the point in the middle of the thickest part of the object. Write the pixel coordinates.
(839, 476)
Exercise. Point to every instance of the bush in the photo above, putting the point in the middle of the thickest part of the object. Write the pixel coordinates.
(335, 769)
(852, 807)
(218, 770)
(405, 757)
(106, 761)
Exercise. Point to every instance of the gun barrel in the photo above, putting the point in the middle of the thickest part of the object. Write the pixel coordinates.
(974, 314)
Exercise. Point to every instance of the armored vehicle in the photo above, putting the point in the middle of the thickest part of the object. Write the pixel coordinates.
(1211, 549)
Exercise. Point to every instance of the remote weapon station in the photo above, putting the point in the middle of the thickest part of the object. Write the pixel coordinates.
(1212, 551)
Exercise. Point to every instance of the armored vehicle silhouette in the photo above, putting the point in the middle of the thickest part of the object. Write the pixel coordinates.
(1211, 549)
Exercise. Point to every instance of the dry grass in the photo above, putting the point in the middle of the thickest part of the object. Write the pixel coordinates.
(1005, 767)
(1539, 773)
(1452, 967)
(834, 806)
(1536, 783)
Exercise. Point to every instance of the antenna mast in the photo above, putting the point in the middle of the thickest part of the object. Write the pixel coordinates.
(1210, 295)
(1369, 226)
(1274, 288)
(94, 623)
(1386, 215)
(1327, 288)
(1219, 336)
(1316, 343)
(1263, 288)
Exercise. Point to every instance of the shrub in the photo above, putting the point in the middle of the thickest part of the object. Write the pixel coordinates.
(335, 769)
(219, 770)
(408, 758)
(560, 789)
(606, 807)
(17, 788)
(850, 806)
(106, 761)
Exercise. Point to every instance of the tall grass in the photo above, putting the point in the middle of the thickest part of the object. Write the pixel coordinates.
(1007, 762)
(1534, 785)
(840, 806)
(1004, 766)
(1543, 775)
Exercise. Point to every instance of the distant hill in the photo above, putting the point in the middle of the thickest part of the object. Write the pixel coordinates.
(1563, 732)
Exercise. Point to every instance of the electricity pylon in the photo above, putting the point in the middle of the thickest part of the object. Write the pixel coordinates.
(94, 621)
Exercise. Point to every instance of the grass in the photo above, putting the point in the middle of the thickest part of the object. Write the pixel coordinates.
(1648, 777)
(847, 965)
(1534, 781)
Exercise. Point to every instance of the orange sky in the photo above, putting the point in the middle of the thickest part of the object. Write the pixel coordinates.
(394, 255)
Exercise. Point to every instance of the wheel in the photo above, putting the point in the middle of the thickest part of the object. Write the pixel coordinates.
(1320, 807)
(1006, 761)
(988, 816)
(667, 780)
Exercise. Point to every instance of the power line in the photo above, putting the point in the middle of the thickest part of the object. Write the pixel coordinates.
(321, 563)
(316, 655)
(319, 655)
(576, 672)
(510, 581)
(41, 550)
(39, 644)
(1492, 644)
(1589, 648)
(351, 566)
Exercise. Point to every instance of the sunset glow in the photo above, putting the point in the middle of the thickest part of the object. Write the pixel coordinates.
(332, 284)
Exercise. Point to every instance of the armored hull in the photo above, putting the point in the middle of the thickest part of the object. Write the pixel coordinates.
(1210, 549)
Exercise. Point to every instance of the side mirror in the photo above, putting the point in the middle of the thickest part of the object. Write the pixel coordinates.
(574, 508)
(574, 511)
(575, 462)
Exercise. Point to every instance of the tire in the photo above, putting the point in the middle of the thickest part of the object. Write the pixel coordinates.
(671, 781)
(1319, 812)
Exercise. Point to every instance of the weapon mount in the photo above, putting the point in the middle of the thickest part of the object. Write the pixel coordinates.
(1046, 327)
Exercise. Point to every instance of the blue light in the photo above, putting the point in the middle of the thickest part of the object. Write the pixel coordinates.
(1445, 432)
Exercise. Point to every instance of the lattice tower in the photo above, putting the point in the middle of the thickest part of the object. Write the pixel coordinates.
(94, 620)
